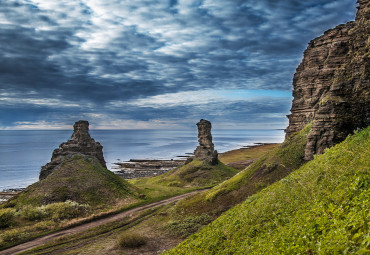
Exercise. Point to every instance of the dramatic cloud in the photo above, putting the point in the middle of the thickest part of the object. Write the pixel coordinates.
(155, 64)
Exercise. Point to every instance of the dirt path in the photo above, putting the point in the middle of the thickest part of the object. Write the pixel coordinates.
(42, 240)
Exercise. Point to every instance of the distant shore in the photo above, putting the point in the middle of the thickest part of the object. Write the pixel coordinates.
(139, 168)
(9, 193)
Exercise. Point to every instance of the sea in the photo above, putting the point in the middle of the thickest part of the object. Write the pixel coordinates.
(22, 153)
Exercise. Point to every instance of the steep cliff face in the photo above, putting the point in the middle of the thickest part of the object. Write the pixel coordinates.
(331, 85)
(80, 143)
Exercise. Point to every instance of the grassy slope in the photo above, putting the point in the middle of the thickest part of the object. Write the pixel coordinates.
(197, 173)
(192, 176)
(79, 179)
(322, 208)
(245, 153)
(272, 167)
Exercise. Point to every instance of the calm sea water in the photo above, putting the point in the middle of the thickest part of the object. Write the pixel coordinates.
(22, 153)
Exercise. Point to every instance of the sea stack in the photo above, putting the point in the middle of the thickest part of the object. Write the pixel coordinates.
(205, 151)
(80, 143)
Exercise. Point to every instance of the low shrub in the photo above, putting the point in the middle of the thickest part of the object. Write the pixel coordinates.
(13, 235)
(131, 240)
(55, 211)
(33, 213)
(44, 225)
(6, 217)
(66, 210)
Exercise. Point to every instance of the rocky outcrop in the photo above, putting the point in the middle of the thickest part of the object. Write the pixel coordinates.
(80, 143)
(205, 151)
(331, 85)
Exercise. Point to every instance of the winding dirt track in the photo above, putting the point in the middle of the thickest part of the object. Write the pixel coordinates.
(42, 240)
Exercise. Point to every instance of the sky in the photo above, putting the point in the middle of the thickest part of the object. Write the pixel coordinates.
(123, 64)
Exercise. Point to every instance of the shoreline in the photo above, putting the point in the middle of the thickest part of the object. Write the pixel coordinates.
(140, 168)
(148, 167)
(7, 194)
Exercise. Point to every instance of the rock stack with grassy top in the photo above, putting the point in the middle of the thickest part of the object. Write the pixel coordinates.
(77, 172)
(80, 143)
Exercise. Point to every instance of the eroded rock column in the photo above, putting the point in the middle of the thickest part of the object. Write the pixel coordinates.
(205, 151)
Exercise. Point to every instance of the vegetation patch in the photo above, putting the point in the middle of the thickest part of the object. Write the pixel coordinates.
(56, 211)
(131, 240)
(245, 154)
(322, 208)
(195, 175)
(6, 217)
(187, 226)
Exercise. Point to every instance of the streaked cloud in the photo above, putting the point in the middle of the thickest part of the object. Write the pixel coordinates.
(65, 60)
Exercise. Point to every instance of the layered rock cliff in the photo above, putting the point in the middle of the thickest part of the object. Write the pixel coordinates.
(331, 85)
(80, 143)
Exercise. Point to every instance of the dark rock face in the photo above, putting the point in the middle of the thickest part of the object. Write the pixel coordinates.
(80, 143)
(331, 85)
(205, 151)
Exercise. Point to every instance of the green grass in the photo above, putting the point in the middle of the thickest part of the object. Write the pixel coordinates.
(273, 166)
(245, 153)
(321, 208)
(195, 175)
(187, 226)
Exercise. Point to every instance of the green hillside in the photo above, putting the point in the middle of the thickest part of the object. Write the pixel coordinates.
(197, 174)
(81, 179)
(322, 208)
(273, 166)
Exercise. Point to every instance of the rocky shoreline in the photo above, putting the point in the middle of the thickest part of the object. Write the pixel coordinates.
(137, 168)
(9, 193)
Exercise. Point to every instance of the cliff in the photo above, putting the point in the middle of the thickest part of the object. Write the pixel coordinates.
(80, 143)
(331, 85)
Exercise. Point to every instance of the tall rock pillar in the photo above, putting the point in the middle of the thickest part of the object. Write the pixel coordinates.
(205, 151)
